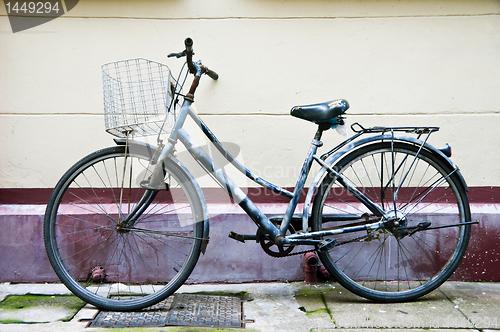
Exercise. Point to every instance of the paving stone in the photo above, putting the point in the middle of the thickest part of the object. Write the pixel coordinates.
(391, 330)
(311, 301)
(275, 308)
(431, 311)
(479, 302)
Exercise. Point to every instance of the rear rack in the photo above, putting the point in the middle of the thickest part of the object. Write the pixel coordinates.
(357, 128)
(360, 130)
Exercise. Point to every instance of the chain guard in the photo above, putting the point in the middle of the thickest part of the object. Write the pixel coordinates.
(274, 250)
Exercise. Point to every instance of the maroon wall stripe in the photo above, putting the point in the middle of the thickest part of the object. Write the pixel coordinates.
(477, 195)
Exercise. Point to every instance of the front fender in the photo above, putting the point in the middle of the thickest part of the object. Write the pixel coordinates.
(151, 151)
(363, 142)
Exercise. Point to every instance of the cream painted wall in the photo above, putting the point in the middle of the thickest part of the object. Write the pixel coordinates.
(397, 62)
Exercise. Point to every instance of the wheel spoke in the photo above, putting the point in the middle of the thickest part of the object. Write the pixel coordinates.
(413, 187)
(106, 264)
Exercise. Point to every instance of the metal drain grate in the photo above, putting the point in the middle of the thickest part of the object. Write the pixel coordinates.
(206, 310)
(179, 310)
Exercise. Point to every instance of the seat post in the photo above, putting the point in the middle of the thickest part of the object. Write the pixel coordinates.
(321, 128)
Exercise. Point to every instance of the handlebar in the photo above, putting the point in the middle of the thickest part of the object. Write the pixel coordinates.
(193, 67)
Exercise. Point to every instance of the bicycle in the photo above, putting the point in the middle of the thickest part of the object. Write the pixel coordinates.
(387, 213)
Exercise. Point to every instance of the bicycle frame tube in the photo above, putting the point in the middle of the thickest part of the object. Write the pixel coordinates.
(278, 234)
(235, 162)
(227, 184)
(294, 197)
(358, 194)
(180, 134)
(369, 227)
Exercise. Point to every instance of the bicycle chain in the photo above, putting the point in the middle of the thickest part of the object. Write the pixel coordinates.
(316, 250)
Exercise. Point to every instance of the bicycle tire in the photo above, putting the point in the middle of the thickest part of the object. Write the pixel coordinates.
(418, 187)
(122, 269)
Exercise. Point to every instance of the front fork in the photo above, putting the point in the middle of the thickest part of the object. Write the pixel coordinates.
(149, 195)
(145, 201)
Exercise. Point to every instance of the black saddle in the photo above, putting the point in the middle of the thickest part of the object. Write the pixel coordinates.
(326, 112)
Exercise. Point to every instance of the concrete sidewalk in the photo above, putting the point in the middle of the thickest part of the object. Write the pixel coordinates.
(298, 307)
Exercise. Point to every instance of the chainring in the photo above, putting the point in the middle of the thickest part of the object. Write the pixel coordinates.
(271, 248)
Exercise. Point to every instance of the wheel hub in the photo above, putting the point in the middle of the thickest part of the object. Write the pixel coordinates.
(395, 222)
(122, 230)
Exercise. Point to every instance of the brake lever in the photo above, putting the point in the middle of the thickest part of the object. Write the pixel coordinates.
(177, 55)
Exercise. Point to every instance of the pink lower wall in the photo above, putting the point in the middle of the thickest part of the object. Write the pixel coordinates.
(23, 257)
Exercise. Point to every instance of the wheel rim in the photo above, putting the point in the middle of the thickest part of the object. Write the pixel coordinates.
(122, 267)
(380, 264)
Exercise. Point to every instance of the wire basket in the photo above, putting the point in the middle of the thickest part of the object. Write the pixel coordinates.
(137, 97)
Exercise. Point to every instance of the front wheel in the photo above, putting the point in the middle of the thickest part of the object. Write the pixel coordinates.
(113, 264)
(414, 188)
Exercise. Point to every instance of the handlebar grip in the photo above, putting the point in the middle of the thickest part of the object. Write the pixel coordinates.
(213, 75)
(188, 42)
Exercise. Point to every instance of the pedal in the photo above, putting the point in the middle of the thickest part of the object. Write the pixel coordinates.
(236, 236)
(241, 237)
(327, 244)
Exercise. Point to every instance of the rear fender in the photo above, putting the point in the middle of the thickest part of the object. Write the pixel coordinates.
(363, 142)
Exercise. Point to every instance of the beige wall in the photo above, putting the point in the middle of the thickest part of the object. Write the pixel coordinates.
(397, 62)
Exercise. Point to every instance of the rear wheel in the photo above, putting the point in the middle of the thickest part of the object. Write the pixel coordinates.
(402, 261)
(107, 262)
